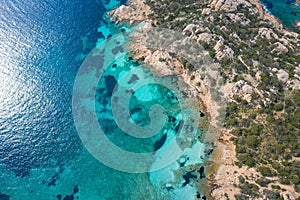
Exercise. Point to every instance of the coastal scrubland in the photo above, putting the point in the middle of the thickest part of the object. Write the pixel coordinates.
(261, 61)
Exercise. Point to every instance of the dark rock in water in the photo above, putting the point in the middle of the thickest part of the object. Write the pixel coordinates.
(129, 58)
(202, 114)
(104, 102)
(135, 63)
(169, 188)
(179, 127)
(54, 178)
(4, 197)
(118, 49)
(123, 2)
(135, 110)
(159, 143)
(100, 35)
(172, 98)
(267, 3)
(171, 118)
(209, 148)
(69, 197)
(133, 78)
(107, 125)
(114, 65)
(201, 172)
(109, 36)
(76, 189)
(52, 182)
(187, 178)
(123, 30)
(183, 163)
(198, 195)
(140, 116)
(131, 91)
(59, 196)
(96, 60)
(208, 151)
(110, 83)
(204, 197)
(100, 90)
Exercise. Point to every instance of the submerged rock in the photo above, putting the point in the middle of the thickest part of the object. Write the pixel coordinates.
(159, 143)
(59, 196)
(118, 49)
(187, 178)
(201, 172)
(110, 83)
(76, 189)
(4, 197)
(133, 78)
(202, 114)
(69, 197)
(171, 118)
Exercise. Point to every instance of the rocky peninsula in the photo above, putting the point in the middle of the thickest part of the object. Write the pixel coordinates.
(257, 154)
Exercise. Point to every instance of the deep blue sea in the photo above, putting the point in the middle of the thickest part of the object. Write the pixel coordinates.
(287, 11)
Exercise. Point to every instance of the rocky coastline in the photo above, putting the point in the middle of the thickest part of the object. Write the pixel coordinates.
(224, 175)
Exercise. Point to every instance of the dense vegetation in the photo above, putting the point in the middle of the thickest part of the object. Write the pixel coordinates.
(266, 129)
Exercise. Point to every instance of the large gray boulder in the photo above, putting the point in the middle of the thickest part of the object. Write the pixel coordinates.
(282, 75)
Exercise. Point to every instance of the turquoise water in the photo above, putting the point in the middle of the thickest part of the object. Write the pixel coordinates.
(172, 149)
(43, 46)
(288, 12)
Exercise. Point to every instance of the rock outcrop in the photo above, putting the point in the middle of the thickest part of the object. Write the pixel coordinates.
(282, 75)
(136, 12)
(242, 90)
(267, 33)
(228, 5)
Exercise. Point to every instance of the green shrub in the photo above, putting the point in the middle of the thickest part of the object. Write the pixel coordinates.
(278, 107)
(265, 171)
(263, 182)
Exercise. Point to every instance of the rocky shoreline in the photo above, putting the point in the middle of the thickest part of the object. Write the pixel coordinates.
(137, 11)
(272, 18)
(224, 174)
